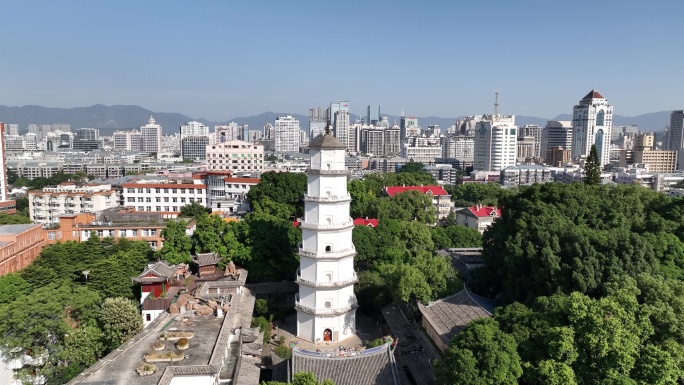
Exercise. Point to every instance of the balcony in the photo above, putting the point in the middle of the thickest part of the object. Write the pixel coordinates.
(311, 171)
(332, 226)
(328, 254)
(326, 312)
(330, 199)
(324, 285)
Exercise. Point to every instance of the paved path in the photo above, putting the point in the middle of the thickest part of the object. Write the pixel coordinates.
(420, 364)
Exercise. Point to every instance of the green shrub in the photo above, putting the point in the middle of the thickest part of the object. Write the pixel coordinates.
(283, 352)
(374, 343)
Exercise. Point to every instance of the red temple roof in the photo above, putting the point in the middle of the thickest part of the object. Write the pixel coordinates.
(366, 222)
(434, 190)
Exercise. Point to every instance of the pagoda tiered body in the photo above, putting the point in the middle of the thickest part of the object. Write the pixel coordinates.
(326, 304)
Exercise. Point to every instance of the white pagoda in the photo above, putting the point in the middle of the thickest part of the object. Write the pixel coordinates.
(326, 304)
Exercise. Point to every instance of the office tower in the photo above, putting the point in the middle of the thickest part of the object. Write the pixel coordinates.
(557, 133)
(87, 139)
(193, 129)
(317, 122)
(244, 133)
(122, 140)
(13, 129)
(408, 125)
(495, 143)
(338, 117)
(317, 114)
(194, 147)
(432, 130)
(373, 115)
(675, 132)
(326, 303)
(33, 129)
(592, 121)
(287, 134)
(151, 136)
(459, 149)
(383, 122)
(269, 132)
(373, 140)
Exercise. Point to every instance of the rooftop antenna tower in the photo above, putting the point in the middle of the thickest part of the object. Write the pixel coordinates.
(496, 103)
(402, 111)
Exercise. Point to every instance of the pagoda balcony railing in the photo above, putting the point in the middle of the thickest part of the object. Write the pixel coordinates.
(327, 312)
(354, 279)
(326, 172)
(328, 254)
(330, 199)
(327, 226)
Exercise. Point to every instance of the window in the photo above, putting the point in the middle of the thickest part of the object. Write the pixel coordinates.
(140, 199)
(166, 191)
(175, 208)
(600, 118)
(158, 208)
(130, 190)
(157, 190)
(182, 191)
(175, 199)
(157, 199)
(182, 200)
(148, 317)
(131, 199)
(148, 199)
(149, 191)
(140, 191)
(166, 199)
(166, 208)
(174, 190)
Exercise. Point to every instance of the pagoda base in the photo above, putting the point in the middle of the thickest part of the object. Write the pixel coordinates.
(333, 328)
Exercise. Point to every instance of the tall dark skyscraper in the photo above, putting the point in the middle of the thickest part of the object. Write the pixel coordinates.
(373, 115)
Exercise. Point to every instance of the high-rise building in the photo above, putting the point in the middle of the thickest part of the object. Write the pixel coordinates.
(151, 136)
(409, 126)
(317, 114)
(495, 143)
(373, 115)
(556, 134)
(675, 136)
(87, 139)
(529, 142)
(194, 147)
(193, 129)
(338, 117)
(6, 205)
(235, 156)
(458, 150)
(317, 122)
(13, 129)
(592, 121)
(326, 303)
(287, 134)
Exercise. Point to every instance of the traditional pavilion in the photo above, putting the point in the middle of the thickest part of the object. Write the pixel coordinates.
(156, 278)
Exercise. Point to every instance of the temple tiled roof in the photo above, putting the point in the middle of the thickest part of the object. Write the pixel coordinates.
(327, 141)
(450, 315)
(374, 366)
(206, 259)
(157, 272)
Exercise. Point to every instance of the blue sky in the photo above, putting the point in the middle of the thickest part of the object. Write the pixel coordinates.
(222, 59)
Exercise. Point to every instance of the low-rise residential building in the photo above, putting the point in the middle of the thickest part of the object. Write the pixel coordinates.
(164, 196)
(19, 246)
(118, 223)
(444, 173)
(478, 217)
(46, 206)
(441, 199)
(514, 176)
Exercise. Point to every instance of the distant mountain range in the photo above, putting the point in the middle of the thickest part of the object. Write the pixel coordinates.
(111, 118)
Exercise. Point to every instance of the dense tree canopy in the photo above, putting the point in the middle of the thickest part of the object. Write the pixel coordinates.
(14, 219)
(177, 245)
(193, 210)
(575, 237)
(469, 194)
(280, 187)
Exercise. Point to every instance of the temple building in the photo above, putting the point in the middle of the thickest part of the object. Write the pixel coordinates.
(326, 304)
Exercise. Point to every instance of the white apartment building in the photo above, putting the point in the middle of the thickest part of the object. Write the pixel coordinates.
(592, 121)
(46, 206)
(287, 134)
(235, 155)
(193, 129)
(151, 136)
(165, 196)
(495, 141)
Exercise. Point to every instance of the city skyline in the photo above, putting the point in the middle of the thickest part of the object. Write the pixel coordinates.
(217, 60)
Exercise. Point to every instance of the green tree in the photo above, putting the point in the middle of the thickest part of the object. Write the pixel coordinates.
(481, 354)
(14, 219)
(193, 210)
(261, 307)
(469, 194)
(592, 168)
(12, 286)
(407, 206)
(270, 207)
(120, 320)
(415, 167)
(281, 187)
(302, 378)
(83, 346)
(177, 245)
